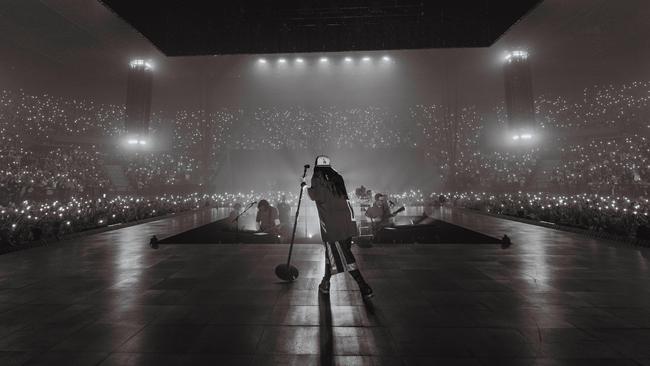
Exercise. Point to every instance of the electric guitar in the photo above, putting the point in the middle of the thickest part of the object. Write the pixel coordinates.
(375, 212)
(401, 209)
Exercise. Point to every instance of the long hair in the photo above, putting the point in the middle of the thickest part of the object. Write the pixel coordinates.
(263, 204)
(333, 181)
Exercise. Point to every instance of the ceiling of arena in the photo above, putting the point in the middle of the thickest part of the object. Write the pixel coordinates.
(203, 27)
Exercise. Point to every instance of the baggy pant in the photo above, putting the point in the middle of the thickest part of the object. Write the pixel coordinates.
(339, 257)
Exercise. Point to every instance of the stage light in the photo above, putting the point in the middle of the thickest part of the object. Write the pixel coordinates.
(516, 55)
(299, 60)
(515, 137)
(385, 58)
(366, 59)
(282, 60)
(138, 62)
(142, 142)
(262, 60)
(526, 136)
(324, 59)
(132, 142)
(348, 59)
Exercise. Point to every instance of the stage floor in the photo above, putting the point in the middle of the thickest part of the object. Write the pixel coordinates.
(552, 298)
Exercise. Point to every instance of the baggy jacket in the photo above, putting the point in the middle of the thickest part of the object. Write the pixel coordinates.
(337, 221)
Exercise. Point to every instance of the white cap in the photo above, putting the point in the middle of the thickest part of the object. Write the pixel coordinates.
(322, 160)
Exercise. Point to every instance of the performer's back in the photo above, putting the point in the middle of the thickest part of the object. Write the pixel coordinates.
(336, 214)
(337, 223)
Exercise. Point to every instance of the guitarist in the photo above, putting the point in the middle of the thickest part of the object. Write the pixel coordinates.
(383, 211)
(380, 213)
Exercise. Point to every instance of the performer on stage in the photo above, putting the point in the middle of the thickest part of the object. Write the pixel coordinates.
(267, 217)
(383, 219)
(379, 213)
(337, 224)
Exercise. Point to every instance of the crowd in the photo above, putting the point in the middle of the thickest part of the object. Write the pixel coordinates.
(41, 221)
(54, 148)
(49, 173)
(619, 106)
(604, 165)
(160, 170)
(295, 128)
(617, 215)
(49, 220)
(27, 117)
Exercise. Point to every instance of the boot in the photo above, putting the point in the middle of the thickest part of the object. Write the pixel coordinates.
(324, 287)
(366, 290)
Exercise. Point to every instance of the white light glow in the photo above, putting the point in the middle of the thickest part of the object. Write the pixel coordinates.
(515, 137)
(299, 60)
(135, 63)
(324, 59)
(262, 60)
(518, 55)
(366, 59)
(132, 142)
(526, 136)
(142, 142)
(282, 60)
(348, 59)
(386, 58)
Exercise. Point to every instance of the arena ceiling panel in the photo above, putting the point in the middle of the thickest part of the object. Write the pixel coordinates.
(204, 27)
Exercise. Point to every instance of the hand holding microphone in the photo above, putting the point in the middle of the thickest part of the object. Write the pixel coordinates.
(304, 173)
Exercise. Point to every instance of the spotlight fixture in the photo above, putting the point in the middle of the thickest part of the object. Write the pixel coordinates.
(516, 55)
(299, 60)
(365, 58)
(141, 63)
(348, 59)
(262, 60)
(385, 58)
(282, 60)
(324, 59)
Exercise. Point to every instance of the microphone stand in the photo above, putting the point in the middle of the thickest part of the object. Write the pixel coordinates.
(237, 220)
(295, 222)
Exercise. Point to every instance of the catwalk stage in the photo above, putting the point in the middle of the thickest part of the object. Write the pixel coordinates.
(552, 298)
(428, 230)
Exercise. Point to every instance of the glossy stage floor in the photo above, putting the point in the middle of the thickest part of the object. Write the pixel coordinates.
(553, 298)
